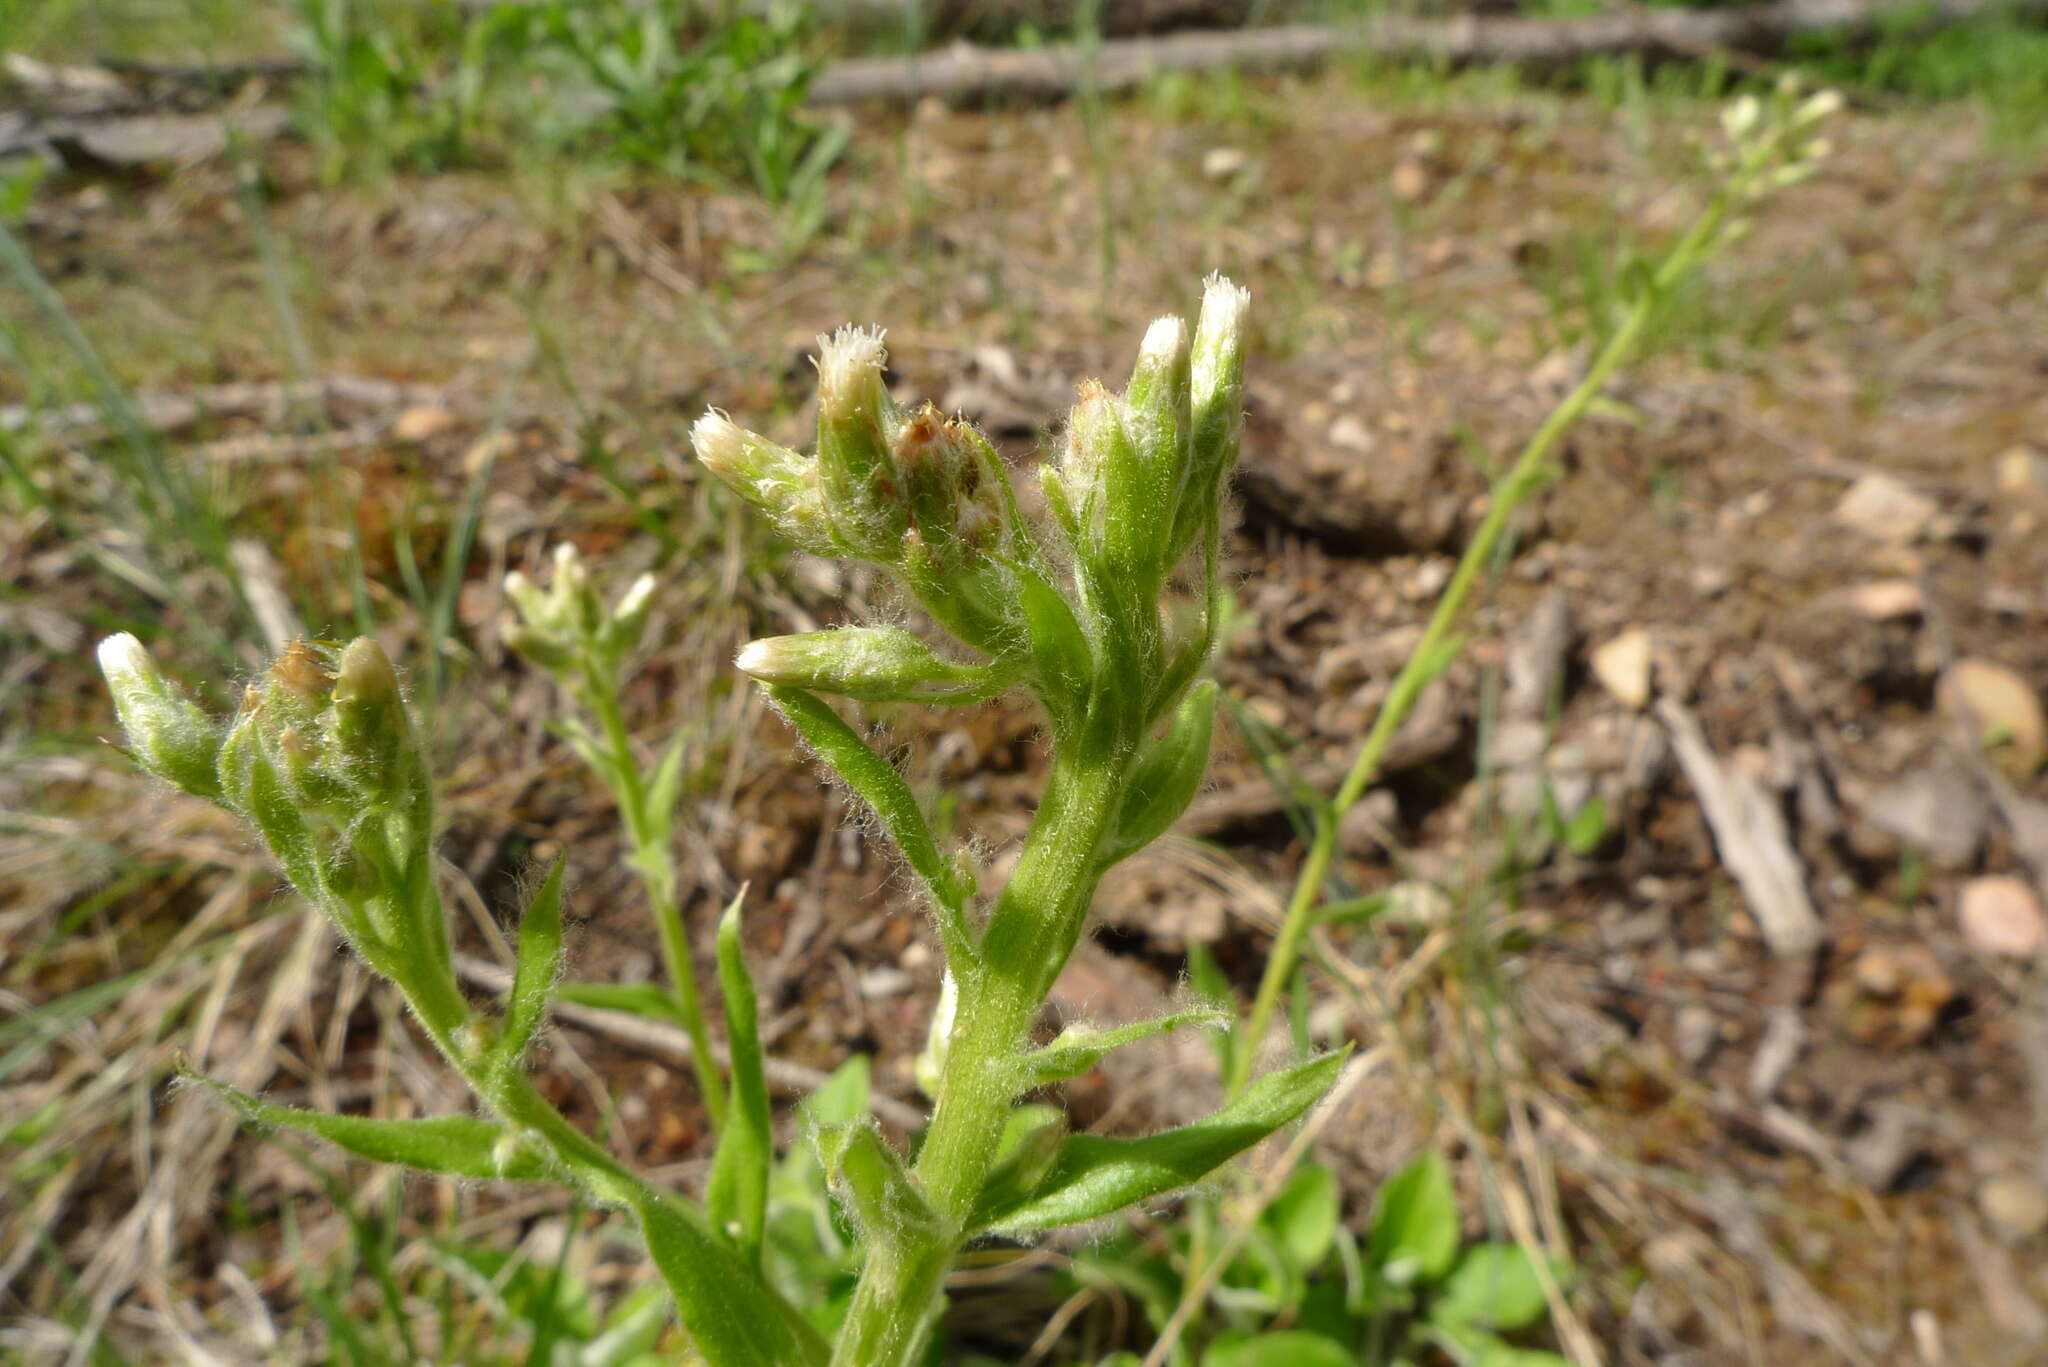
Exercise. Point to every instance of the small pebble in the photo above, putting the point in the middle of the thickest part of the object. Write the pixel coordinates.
(2004, 708)
(1886, 509)
(2015, 1205)
(2001, 915)
(1622, 666)
(878, 984)
(1885, 600)
(1696, 1033)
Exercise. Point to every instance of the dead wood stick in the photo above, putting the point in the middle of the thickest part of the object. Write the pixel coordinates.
(655, 1037)
(964, 71)
(1749, 830)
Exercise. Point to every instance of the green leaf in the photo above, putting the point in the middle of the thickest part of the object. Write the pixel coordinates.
(456, 1145)
(1494, 1286)
(1060, 654)
(1587, 830)
(1093, 1176)
(1303, 1217)
(665, 789)
(1080, 1047)
(732, 1317)
(1166, 777)
(1415, 1229)
(870, 1178)
(635, 999)
(875, 780)
(737, 1192)
(1209, 983)
(533, 977)
(1031, 1141)
(841, 1098)
(1289, 1348)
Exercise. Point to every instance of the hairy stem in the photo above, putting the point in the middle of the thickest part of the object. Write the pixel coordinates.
(1033, 929)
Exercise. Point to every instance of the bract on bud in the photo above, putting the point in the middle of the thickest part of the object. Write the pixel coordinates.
(370, 738)
(1217, 401)
(1145, 493)
(629, 617)
(1096, 442)
(168, 733)
(780, 482)
(855, 423)
(873, 664)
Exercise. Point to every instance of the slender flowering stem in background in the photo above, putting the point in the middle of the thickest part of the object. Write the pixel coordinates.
(568, 631)
(1772, 145)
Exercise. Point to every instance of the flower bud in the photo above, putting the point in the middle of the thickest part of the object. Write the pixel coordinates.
(629, 616)
(873, 664)
(954, 504)
(1096, 444)
(168, 733)
(855, 422)
(780, 482)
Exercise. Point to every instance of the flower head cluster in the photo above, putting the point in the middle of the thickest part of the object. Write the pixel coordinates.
(1071, 609)
(568, 621)
(321, 759)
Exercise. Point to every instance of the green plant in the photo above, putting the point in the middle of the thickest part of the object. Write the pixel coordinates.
(1089, 610)
(569, 633)
(1302, 1290)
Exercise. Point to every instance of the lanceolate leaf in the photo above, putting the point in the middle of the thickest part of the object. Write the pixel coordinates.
(457, 1145)
(1166, 776)
(636, 999)
(732, 1317)
(1079, 1048)
(875, 780)
(870, 1178)
(738, 1190)
(1093, 1177)
(533, 978)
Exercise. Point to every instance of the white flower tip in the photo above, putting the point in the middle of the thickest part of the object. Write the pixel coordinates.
(123, 657)
(517, 585)
(1224, 299)
(718, 441)
(636, 596)
(755, 657)
(849, 358)
(1167, 337)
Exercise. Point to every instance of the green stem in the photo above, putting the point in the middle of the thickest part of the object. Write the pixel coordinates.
(1426, 661)
(656, 868)
(1030, 933)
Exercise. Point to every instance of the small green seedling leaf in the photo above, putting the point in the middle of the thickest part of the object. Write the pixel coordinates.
(533, 977)
(1303, 1218)
(1494, 1286)
(454, 1145)
(737, 1192)
(1415, 1230)
(1587, 830)
(1080, 1047)
(1288, 1348)
(1093, 1176)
